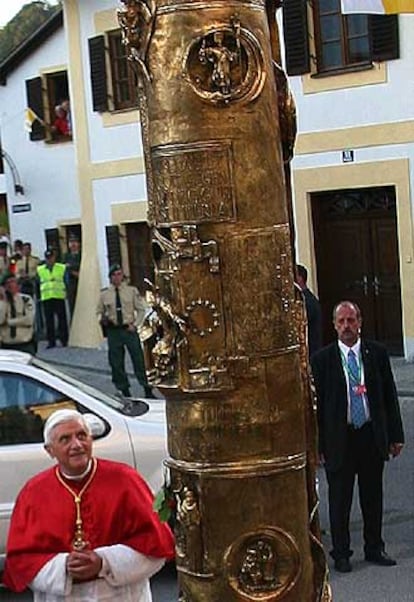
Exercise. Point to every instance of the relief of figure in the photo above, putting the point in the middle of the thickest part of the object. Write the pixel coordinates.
(166, 331)
(189, 519)
(136, 22)
(257, 572)
(222, 59)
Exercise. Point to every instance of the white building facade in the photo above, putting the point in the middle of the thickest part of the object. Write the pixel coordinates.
(354, 162)
(352, 171)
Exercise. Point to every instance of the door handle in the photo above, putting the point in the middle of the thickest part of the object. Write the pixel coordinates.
(376, 284)
(365, 284)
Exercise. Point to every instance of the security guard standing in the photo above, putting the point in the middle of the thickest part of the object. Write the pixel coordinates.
(52, 295)
(120, 311)
(16, 317)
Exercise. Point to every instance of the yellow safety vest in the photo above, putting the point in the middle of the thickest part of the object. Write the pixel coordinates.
(52, 282)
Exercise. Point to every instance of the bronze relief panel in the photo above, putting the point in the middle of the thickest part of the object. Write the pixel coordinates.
(263, 565)
(225, 65)
(194, 183)
(259, 293)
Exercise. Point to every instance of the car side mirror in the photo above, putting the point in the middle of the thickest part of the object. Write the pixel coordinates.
(97, 425)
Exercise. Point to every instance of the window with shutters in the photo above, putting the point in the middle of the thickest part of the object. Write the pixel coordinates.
(113, 81)
(48, 108)
(320, 40)
(124, 83)
(113, 245)
(139, 254)
(52, 237)
(341, 41)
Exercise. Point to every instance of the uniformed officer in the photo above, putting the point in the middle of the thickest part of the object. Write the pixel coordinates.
(26, 270)
(72, 260)
(52, 295)
(16, 317)
(4, 258)
(120, 310)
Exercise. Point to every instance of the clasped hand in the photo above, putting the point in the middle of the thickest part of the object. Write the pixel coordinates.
(84, 565)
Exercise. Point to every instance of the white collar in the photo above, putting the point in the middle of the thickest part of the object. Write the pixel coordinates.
(356, 348)
(77, 477)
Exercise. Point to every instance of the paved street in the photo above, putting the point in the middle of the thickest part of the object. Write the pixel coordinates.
(366, 582)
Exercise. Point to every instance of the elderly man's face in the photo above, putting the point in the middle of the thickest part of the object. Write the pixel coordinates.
(71, 445)
(347, 324)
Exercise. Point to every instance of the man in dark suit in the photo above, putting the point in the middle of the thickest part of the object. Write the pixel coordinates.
(359, 428)
(313, 311)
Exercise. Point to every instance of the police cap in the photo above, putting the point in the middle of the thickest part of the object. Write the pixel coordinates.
(115, 267)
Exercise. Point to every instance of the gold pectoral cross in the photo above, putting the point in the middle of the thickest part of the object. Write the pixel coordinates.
(79, 542)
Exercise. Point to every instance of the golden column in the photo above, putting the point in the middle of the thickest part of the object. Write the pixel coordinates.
(227, 352)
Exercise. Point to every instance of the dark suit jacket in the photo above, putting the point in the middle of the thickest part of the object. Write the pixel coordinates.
(314, 317)
(331, 390)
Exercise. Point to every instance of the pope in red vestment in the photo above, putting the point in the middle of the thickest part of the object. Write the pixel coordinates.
(117, 523)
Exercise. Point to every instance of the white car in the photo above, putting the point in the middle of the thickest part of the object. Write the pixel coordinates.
(130, 431)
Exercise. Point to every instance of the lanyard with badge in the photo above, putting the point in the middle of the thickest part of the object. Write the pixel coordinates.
(354, 379)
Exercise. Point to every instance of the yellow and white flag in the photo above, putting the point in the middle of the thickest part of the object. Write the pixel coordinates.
(29, 117)
(377, 7)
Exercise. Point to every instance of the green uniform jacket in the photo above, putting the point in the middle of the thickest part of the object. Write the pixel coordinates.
(133, 306)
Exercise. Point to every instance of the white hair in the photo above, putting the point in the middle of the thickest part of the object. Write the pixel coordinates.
(59, 417)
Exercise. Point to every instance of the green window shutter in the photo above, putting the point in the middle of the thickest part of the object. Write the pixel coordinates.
(296, 35)
(113, 245)
(99, 80)
(384, 37)
(35, 102)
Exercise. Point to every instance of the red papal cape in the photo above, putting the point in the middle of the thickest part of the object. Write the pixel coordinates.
(116, 508)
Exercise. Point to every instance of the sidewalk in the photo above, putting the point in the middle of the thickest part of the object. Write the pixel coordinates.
(81, 358)
(96, 360)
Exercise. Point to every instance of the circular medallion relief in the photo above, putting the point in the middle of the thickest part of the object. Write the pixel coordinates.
(263, 565)
(203, 316)
(225, 65)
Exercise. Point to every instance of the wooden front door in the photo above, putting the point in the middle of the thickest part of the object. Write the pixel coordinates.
(356, 246)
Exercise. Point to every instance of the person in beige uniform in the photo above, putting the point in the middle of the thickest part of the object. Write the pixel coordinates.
(16, 317)
(120, 310)
(4, 258)
(26, 270)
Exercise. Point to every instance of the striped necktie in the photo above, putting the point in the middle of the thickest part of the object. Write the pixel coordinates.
(358, 416)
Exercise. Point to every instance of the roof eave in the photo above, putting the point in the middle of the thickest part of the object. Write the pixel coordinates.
(18, 55)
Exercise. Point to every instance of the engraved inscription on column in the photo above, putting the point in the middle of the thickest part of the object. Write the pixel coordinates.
(194, 183)
(261, 307)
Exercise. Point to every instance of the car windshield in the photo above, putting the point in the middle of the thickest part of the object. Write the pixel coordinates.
(123, 406)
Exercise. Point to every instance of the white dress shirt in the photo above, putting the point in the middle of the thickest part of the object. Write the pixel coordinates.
(344, 350)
